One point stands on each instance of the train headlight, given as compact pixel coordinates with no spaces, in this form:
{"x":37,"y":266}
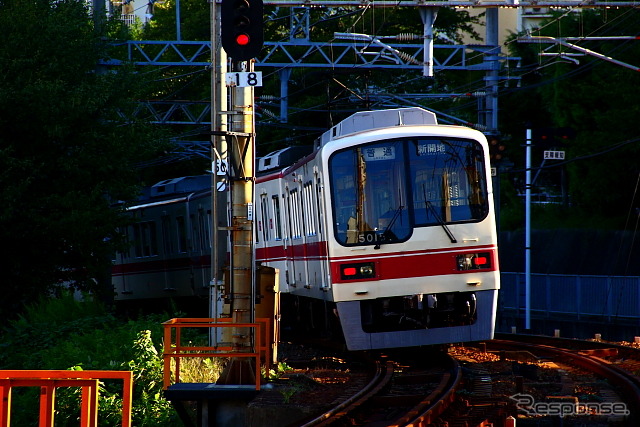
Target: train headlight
{"x":365,"y":270}
{"x":476,"y":261}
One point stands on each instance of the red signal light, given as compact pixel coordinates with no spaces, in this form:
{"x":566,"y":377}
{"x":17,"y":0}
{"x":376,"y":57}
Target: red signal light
{"x":241,"y":30}
{"x":243,"y":39}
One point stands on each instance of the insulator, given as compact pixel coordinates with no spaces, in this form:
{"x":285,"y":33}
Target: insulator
{"x":268,"y":98}
{"x":405,"y":37}
{"x":409,"y":58}
{"x":269,"y":113}
{"x":478,"y":93}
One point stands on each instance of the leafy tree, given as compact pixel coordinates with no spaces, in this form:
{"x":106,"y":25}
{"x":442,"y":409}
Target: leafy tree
{"x":596,"y":98}
{"x":68,"y":150}
{"x":317,"y":98}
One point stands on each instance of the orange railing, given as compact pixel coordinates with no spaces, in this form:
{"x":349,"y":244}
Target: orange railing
{"x":173,"y":348}
{"x":48,"y":381}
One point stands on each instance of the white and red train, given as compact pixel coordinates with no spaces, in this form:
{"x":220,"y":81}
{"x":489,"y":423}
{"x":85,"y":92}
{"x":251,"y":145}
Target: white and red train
{"x":386,"y":229}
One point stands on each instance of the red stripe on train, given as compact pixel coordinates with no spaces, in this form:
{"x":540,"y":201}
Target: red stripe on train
{"x":397,"y":265}
{"x":160,"y":265}
{"x":417,"y":265}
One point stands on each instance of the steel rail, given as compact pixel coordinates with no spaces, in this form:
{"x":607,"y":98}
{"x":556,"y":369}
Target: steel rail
{"x":381,"y":378}
{"x":431,"y":407}
{"x":628,"y":384}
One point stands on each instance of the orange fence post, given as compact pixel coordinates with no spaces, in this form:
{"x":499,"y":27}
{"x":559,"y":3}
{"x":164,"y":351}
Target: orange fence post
{"x":48,"y":381}
{"x":89,"y":405}
{"x":5,"y":403}
{"x":262,"y":345}
{"x":47,"y":404}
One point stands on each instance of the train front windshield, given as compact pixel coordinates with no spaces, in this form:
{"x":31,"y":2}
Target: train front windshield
{"x":382,"y":191}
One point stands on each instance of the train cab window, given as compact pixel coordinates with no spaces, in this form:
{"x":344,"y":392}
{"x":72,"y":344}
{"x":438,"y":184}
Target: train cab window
{"x":447,"y":178}
{"x":277,"y":218}
{"x":378,"y":199}
{"x":370,"y":194}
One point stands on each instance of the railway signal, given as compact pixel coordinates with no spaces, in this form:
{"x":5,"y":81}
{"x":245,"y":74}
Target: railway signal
{"x":241,"y":28}
{"x":496,"y":148}
{"x":550,"y":137}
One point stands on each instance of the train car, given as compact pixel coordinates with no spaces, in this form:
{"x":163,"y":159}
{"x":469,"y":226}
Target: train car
{"x":385,"y":232}
{"x":169,"y":260}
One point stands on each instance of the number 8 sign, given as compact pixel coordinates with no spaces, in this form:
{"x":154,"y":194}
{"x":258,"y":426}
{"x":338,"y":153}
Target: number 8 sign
{"x":244,"y":79}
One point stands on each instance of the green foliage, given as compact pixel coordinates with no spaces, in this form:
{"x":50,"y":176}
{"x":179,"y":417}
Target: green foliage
{"x":69,"y":147}
{"x":596,"y":98}
{"x":281,"y":369}
{"x":40,"y":326}
{"x":317,"y":98}
{"x":68,"y":334}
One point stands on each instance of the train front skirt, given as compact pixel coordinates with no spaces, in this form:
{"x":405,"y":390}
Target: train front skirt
{"x":482,"y":327}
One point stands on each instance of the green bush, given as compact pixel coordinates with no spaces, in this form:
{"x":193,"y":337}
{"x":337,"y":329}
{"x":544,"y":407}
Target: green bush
{"x":68,"y":334}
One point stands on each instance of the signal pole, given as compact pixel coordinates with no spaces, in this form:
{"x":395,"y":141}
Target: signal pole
{"x":242,"y":39}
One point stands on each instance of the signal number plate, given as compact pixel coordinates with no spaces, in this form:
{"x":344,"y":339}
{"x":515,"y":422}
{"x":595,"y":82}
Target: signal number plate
{"x":244,"y":78}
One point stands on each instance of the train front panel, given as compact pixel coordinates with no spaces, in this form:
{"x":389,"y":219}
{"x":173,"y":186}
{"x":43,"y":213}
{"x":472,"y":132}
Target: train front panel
{"x":412,"y":241}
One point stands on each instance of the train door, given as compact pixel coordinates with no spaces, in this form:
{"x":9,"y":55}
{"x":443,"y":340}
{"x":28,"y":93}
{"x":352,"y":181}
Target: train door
{"x":310,"y":253}
{"x":322,"y":238}
{"x":292,"y":236}
{"x":264,"y":224}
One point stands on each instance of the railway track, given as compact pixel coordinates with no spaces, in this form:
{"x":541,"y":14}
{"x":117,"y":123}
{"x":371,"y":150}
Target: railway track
{"x":616,"y":364}
{"x":400,"y":393}
{"x":449,"y":389}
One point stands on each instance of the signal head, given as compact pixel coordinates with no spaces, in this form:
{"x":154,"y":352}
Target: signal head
{"x":242,"y":31}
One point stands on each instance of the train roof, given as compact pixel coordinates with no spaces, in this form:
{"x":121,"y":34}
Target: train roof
{"x":358,"y":122}
{"x":172,"y":190}
{"x":370,"y":120}
{"x":182,"y":185}
{"x":279,"y":159}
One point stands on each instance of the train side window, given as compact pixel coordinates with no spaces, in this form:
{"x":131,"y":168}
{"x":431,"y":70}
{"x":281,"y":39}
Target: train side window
{"x":275,"y":201}
{"x":264,"y":217}
{"x":181,"y":234}
{"x":288,"y":228}
{"x":165,"y":231}
{"x":203,"y":230}
{"x":195,"y":235}
{"x":294,"y":206}
{"x":146,"y":239}
{"x":309,"y":209}
{"x":126,"y":251}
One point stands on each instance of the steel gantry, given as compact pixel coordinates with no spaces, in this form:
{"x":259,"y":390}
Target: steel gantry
{"x":352,"y":51}
{"x":345,"y":51}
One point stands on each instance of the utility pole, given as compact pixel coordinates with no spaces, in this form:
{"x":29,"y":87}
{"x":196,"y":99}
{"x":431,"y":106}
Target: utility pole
{"x":219,"y":169}
{"x":527,"y":242}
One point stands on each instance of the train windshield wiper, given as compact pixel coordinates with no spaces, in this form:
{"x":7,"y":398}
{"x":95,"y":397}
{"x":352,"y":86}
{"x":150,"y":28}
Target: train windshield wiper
{"x":441,"y":221}
{"x":387,"y":231}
